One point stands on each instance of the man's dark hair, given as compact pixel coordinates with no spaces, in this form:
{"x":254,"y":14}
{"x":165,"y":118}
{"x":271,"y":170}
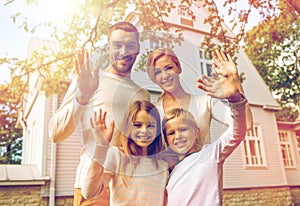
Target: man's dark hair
{"x":125,"y":26}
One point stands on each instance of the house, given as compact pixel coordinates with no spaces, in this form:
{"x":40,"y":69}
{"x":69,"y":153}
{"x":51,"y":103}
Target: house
{"x":263,"y":170}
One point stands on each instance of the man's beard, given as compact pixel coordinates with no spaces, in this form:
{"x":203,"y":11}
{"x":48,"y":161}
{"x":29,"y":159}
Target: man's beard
{"x":117,"y":61}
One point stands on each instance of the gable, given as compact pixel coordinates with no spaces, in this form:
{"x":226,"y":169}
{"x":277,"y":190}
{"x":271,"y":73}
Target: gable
{"x":255,"y":88}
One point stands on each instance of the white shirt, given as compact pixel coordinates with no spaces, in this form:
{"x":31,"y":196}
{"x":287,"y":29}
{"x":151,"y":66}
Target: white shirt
{"x":198,"y":178}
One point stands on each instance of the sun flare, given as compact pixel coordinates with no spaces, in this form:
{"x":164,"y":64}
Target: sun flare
{"x":56,"y":10}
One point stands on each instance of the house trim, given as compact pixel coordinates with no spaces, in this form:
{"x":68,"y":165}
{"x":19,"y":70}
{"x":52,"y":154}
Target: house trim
{"x":24,"y":182}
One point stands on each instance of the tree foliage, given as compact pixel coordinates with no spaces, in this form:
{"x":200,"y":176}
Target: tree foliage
{"x":87,"y":27}
{"x":10,"y":136}
{"x":274,"y":48}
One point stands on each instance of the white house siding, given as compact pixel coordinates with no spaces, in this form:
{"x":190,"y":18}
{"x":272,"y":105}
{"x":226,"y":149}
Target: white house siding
{"x":199,"y":12}
{"x":68,"y":153}
{"x":47,"y":139}
{"x":67,"y":159}
{"x":34,"y":143}
{"x":293,"y":174}
{"x":238,"y":175}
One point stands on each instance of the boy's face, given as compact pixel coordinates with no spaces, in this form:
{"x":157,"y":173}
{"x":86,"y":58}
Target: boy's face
{"x":123,"y":48}
{"x":180,"y":135}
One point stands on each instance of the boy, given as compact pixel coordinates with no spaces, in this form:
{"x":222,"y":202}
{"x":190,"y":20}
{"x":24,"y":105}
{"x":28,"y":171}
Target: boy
{"x":197,"y":179}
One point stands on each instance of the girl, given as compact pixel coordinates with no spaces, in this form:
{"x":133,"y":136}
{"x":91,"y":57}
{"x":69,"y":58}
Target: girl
{"x":163,"y":68}
{"x":136,"y":174}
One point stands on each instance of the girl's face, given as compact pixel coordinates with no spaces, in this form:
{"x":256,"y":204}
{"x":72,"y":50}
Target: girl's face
{"x":181,"y":136}
{"x":144,"y":129}
{"x":166,"y":74}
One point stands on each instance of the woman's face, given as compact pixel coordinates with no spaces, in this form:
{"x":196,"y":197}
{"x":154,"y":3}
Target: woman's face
{"x":166,"y":74}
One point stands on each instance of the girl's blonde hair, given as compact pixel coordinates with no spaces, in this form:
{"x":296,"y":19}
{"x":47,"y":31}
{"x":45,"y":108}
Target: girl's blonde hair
{"x":184,"y":115}
{"x":133,"y":152}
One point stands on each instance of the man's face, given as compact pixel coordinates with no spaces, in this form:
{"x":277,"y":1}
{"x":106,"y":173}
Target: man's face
{"x":123,"y":49}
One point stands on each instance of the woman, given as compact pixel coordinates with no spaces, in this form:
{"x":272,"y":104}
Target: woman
{"x":164,"y":68}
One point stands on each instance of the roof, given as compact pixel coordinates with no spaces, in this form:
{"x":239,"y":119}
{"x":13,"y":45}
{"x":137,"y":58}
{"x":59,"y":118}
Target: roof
{"x":20,"y":175}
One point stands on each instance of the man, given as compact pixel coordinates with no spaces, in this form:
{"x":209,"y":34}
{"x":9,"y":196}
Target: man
{"x":112,"y":91}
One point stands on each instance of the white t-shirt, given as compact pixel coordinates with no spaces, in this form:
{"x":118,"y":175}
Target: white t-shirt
{"x":145,"y":183}
{"x":198,"y":178}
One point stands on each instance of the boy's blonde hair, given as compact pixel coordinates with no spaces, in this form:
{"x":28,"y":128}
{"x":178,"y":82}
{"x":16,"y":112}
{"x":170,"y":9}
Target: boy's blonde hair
{"x":184,"y":115}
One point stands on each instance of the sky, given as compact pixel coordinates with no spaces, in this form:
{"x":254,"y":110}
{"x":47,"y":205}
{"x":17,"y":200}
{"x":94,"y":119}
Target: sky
{"x":14,"y":41}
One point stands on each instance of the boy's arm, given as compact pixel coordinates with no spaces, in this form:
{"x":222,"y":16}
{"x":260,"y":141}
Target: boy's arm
{"x":236,"y":132}
{"x":227,"y":87}
{"x":249,"y":117}
{"x":225,"y":66}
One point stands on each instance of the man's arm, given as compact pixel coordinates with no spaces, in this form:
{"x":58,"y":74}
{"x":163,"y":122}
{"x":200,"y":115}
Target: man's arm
{"x":63,"y":122}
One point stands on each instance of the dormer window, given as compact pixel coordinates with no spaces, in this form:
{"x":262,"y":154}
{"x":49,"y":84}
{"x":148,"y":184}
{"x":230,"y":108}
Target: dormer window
{"x":186,"y":16}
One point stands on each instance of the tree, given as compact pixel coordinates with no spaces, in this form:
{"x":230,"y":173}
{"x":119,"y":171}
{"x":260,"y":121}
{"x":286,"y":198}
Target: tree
{"x":274,"y":48}
{"x":10,"y":136}
{"x":88,"y":24}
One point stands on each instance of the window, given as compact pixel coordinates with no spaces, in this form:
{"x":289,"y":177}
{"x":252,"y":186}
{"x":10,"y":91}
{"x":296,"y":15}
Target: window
{"x":205,"y":63}
{"x":186,"y":16}
{"x":160,"y":41}
{"x":286,"y":151}
{"x":187,"y":22}
{"x":254,"y":154}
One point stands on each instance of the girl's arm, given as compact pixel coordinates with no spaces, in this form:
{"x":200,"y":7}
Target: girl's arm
{"x":93,"y":182}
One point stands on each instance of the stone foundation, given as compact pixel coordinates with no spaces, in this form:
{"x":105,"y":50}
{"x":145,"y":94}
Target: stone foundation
{"x":28,"y":196}
{"x":274,"y":196}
